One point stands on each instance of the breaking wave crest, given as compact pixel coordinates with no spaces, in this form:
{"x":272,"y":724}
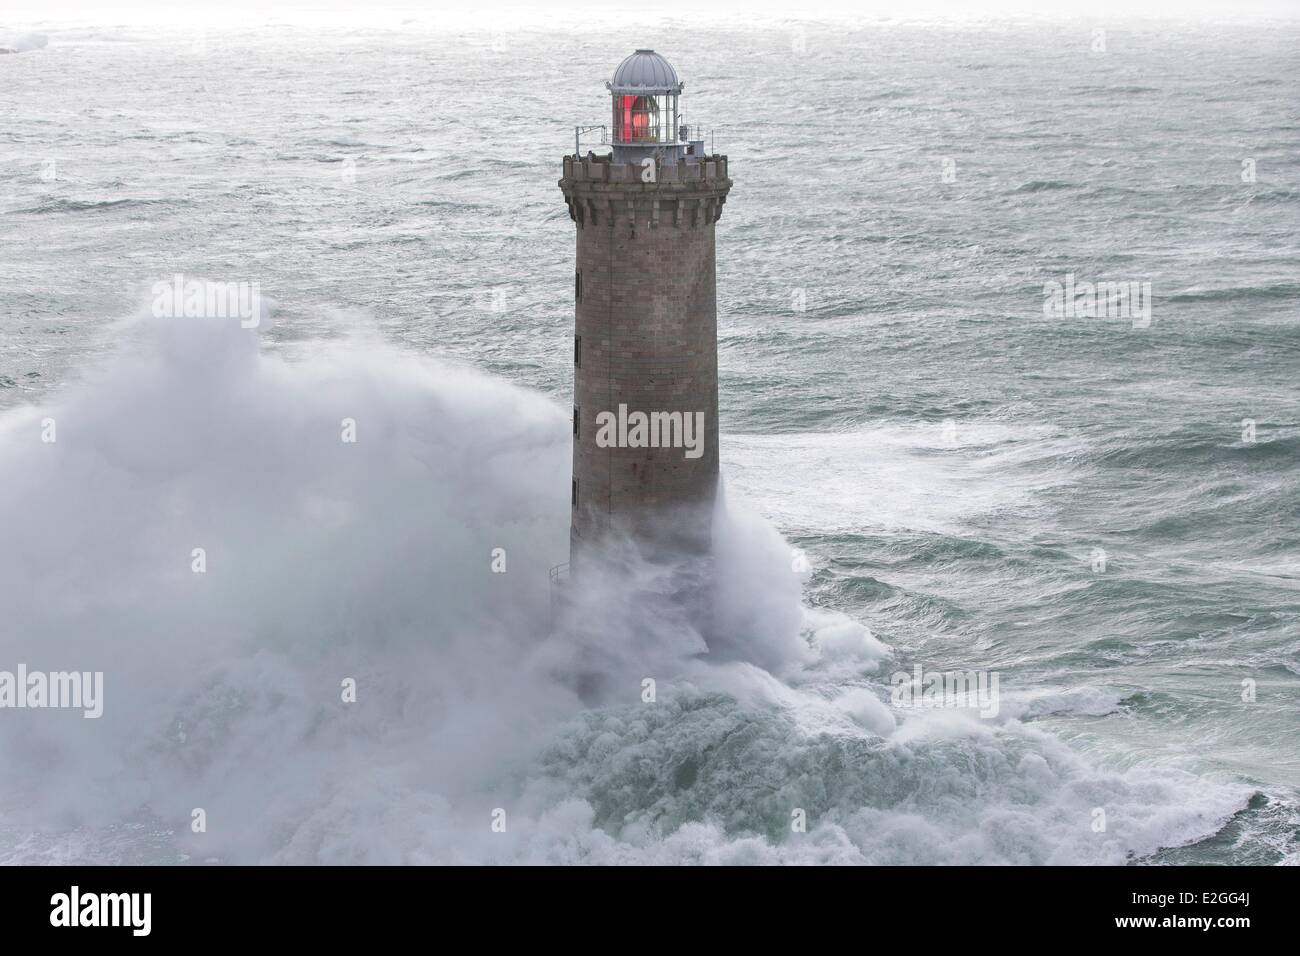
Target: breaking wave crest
{"x":327,"y":560}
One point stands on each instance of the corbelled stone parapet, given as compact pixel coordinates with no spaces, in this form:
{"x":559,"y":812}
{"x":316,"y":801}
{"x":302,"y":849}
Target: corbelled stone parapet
{"x":603,"y":169}
{"x":601,"y":192}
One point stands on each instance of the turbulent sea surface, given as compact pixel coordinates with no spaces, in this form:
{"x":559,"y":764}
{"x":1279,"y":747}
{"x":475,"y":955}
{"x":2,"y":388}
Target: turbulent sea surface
{"x":950,"y":459}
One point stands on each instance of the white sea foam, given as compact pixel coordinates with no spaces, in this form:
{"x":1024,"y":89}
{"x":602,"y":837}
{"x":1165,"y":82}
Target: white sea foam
{"x":934,"y":477}
{"x":371,"y":560}
{"x":25,"y":43}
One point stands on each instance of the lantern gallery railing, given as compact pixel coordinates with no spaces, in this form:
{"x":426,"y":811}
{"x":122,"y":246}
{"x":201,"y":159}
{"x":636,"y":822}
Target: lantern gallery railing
{"x":581,"y":131}
{"x":685,"y":134}
{"x":697,"y":134}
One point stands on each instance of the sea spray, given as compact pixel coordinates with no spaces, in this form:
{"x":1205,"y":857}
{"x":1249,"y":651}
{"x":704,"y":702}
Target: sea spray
{"x":323,"y":561}
{"x":347,"y":680}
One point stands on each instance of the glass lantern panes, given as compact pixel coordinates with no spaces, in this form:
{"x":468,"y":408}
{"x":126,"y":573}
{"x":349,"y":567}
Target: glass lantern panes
{"x":645,"y":119}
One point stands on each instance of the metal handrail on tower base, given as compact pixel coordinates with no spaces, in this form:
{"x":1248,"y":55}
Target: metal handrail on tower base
{"x":560,"y":575}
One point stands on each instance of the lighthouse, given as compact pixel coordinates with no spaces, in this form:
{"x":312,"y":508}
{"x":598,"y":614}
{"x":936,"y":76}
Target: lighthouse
{"x":645,"y":346}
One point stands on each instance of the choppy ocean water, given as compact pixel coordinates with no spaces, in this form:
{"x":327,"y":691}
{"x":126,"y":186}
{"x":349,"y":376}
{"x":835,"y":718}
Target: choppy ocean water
{"x":951,"y":461}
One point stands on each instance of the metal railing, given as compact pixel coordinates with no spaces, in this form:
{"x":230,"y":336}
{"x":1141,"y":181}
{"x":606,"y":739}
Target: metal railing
{"x":559,"y":578}
{"x":685,"y":134}
{"x":581,"y":131}
{"x":692,"y":134}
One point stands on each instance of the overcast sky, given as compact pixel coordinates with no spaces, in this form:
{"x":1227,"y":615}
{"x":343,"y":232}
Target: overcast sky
{"x":501,"y":15}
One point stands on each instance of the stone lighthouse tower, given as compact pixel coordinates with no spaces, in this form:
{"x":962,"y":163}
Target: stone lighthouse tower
{"x":645,"y":350}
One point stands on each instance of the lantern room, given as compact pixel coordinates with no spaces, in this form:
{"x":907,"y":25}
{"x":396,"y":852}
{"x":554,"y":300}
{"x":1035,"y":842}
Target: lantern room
{"x":646,"y":102}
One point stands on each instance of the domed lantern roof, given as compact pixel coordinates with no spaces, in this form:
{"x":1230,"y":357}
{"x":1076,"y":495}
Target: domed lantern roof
{"x":645,"y":95}
{"x":645,"y":72}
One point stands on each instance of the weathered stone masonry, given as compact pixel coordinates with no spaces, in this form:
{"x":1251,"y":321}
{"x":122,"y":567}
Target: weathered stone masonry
{"x":646,"y":337}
